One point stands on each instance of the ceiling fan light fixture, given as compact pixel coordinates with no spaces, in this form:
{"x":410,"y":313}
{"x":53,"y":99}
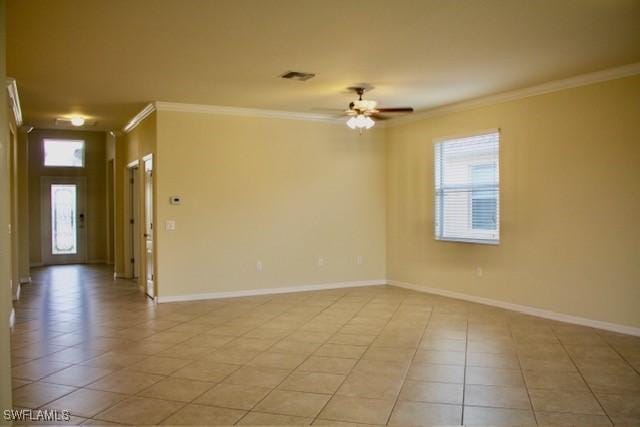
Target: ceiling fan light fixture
{"x":360,"y":122}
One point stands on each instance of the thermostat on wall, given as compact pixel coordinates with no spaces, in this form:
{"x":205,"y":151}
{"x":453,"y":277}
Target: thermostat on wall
{"x":175,"y":200}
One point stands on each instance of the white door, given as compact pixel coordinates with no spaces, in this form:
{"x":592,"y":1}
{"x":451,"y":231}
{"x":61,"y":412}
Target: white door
{"x":63,"y":222}
{"x":148,"y":228}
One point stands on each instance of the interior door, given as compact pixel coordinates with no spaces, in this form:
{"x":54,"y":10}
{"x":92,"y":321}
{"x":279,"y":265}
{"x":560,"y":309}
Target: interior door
{"x":63,"y":220}
{"x":148,"y":221}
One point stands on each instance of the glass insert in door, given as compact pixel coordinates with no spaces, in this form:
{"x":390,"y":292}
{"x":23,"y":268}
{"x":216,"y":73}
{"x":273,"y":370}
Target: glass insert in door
{"x":64,"y":233}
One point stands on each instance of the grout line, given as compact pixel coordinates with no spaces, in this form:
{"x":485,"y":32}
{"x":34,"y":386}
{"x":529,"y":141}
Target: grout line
{"x":582,"y":376}
{"x":464,"y":377}
{"x":524,"y":381}
{"x":413,"y":356}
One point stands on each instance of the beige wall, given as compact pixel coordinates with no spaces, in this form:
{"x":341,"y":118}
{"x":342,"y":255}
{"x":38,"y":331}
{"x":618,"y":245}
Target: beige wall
{"x":94,"y":171}
{"x":284,"y":192}
{"x":570,"y":204}
{"x":5,"y":254}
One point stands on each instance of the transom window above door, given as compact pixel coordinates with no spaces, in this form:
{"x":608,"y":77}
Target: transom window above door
{"x":64,"y":153}
{"x":467,"y":192}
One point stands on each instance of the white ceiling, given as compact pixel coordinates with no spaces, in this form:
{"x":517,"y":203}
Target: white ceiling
{"x":107,"y":59}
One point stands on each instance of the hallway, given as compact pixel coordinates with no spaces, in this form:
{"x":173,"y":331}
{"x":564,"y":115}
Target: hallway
{"x":373,"y":355}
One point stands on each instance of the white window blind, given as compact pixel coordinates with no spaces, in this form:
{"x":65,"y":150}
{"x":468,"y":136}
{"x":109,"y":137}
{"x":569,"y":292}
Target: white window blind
{"x":467,"y":192}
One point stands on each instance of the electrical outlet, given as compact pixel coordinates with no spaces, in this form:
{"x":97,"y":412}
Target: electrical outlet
{"x":170,"y":225}
{"x":259,"y":266}
{"x":479,"y":271}
{"x":359,"y":259}
{"x":320,"y":262}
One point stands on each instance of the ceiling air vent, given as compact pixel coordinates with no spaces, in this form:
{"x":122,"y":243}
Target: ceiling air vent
{"x":297,"y":75}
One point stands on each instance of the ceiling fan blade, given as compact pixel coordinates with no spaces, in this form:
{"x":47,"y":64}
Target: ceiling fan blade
{"x":378,"y":116}
{"x":396,"y":110}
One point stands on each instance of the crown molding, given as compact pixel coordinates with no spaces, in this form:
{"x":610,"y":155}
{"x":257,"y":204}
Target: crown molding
{"x":138,"y":118}
{"x":244,"y":112}
{"x":549,"y":87}
{"x":14,"y":100}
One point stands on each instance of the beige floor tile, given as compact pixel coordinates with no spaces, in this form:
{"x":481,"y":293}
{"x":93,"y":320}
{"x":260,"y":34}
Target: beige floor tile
{"x":323,"y":422}
{"x":15,"y":383}
{"x":490,"y":360}
{"x":621,"y":404}
{"x":312,"y":382}
{"x":37,"y":394}
{"x":378,"y":386}
{"x":437,"y":373}
{"x":127,"y":382}
{"x":440,"y":357}
{"x":160,"y":365}
{"x":576,"y":402}
{"x":233,"y":396}
{"x":397,"y":369}
{"x":262,"y":419}
{"x":493,"y":376}
{"x":417,"y":391}
{"x":389,"y":354}
{"x":605,"y":382}
{"x":548,"y":365}
{"x":357,"y":410}
{"x":231,"y":356}
{"x":204,"y":415}
{"x":420,"y":413}
{"x":140,"y":411}
{"x":35,"y":370}
{"x":430,"y":343}
{"x":261,"y":377}
{"x":85,"y":402}
{"x":331,"y":365}
{"x":497,"y":396}
{"x":114,"y":360}
{"x":277,"y":360}
{"x":566,"y":419}
{"x":352,"y":339}
{"x":555,"y":380}
{"x":251,"y":344}
{"x":341,"y":350}
{"x":77,"y":375}
{"x":294,"y":403}
{"x":479,"y":416}
{"x":295,"y":347}
{"x":178,"y":389}
{"x":205,"y":371}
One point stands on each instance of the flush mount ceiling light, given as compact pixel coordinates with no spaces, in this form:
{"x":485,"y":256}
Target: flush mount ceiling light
{"x":77,"y":121}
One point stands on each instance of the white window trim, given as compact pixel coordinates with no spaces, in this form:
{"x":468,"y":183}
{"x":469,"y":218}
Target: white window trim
{"x":491,"y":242}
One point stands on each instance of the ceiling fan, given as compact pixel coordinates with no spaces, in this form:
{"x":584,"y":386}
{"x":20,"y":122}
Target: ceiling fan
{"x":362,"y":112}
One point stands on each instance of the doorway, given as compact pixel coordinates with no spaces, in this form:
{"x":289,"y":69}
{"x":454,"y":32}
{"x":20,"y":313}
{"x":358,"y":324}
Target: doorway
{"x":148,"y":221}
{"x":63,"y":221}
{"x":132,"y":240}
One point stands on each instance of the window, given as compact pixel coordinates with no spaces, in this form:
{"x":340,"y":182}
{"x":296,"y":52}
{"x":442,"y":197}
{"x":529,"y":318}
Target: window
{"x":64,"y":152}
{"x":467,"y":194}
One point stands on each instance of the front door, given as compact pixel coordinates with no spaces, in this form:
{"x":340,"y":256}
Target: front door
{"x":63,"y":220}
{"x":148,"y":221}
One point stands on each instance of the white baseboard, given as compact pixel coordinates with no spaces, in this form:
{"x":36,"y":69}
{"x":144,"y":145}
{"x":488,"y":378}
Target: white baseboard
{"x":533,"y":311}
{"x":12,"y":318}
{"x":269,"y":291}
{"x":25,"y":279}
{"x":16,"y":297}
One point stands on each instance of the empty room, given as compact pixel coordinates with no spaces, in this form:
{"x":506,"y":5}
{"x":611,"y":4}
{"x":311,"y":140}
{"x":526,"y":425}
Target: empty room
{"x":279,"y":212}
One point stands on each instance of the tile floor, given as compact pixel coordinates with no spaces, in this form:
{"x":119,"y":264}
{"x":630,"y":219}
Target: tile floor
{"x":373,"y":355}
